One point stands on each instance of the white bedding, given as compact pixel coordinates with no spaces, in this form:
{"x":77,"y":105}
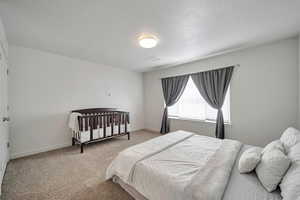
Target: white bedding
{"x":124,"y":164}
{"x":240,"y":186}
{"x":165,"y":167}
{"x":174,"y":167}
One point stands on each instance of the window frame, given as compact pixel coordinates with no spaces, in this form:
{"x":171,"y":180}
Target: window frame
{"x":173,"y":117}
{"x":194,"y":119}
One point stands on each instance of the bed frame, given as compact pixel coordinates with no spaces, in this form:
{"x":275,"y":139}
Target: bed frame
{"x":106,"y":122}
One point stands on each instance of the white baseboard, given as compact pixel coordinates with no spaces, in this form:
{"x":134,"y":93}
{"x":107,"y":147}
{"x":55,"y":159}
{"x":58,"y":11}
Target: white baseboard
{"x":150,"y":130}
{"x":44,"y":149}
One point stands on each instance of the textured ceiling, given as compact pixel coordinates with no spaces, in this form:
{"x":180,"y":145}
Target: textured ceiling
{"x":106,"y":31}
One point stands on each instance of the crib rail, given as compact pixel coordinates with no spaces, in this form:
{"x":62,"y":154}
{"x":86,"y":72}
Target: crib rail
{"x":103,"y":120}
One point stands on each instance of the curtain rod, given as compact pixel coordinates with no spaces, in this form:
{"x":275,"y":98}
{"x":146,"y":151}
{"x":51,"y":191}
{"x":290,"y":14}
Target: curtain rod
{"x":237,"y":65}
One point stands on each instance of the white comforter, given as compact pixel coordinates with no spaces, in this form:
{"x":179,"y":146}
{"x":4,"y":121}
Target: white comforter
{"x":123,"y":165}
{"x":176,"y":165}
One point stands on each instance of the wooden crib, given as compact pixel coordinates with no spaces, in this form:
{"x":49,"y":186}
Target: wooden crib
{"x":97,"y":124}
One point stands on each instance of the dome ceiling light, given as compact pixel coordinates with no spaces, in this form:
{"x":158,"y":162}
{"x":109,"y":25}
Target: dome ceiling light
{"x":148,"y":41}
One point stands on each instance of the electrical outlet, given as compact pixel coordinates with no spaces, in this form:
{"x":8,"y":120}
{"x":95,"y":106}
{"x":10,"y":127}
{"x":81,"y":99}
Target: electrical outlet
{"x":108,"y":93}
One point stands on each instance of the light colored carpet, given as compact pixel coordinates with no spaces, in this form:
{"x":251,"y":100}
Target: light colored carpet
{"x":65,"y":174}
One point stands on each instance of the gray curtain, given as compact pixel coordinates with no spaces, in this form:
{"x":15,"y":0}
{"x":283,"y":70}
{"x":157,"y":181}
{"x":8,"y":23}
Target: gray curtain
{"x":172,"y":90}
{"x":213,"y":86}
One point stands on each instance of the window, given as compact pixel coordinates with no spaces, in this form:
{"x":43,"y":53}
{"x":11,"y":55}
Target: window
{"x":191,"y":105}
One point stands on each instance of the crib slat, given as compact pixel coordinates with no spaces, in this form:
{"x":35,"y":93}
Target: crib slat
{"x":119,"y":122}
{"x":125,"y":122}
{"x":101,"y":121}
{"x":100,"y":125}
{"x":80,"y":123}
{"x":128,"y":118}
{"x":90,"y":124}
{"x":104,"y":127}
{"x":98,"y":121}
{"x":112,"y":123}
{"x":86,"y":124}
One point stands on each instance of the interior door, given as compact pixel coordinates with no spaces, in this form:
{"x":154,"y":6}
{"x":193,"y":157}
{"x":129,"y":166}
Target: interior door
{"x":4,"y":154}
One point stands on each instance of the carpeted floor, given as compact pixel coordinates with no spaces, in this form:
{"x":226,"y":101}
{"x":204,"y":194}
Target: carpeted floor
{"x":65,"y":174}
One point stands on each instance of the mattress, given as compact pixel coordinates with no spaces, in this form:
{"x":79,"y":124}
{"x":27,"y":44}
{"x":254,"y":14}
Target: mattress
{"x":240,"y":186}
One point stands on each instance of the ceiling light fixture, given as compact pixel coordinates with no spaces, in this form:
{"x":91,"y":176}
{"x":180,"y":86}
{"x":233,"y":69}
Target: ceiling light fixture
{"x":148,"y":41}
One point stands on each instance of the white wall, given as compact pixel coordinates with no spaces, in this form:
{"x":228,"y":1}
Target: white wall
{"x":299,"y":79}
{"x":4,"y":134}
{"x":44,"y":88}
{"x":264,"y":92}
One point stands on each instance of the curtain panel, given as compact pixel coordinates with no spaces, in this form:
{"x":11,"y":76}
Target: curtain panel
{"x":213,"y":86}
{"x":173,"y":88}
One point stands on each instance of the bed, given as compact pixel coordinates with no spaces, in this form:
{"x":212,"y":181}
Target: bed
{"x":97,"y":124}
{"x":184,"y":165}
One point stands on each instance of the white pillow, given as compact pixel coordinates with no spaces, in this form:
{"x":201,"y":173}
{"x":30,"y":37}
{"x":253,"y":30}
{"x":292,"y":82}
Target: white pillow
{"x":290,"y":184}
{"x":271,"y":169}
{"x":249,"y":159}
{"x":294,"y":153}
{"x":274,"y":145}
{"x":289,"y":138}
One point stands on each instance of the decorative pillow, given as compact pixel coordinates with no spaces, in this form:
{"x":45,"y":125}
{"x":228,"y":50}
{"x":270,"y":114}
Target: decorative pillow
{"x":274,"y":145}
{"x":249,"y":159}
{"x":271,"y":169}
{"x":290,"y":184}
{"x":289,"y":138}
